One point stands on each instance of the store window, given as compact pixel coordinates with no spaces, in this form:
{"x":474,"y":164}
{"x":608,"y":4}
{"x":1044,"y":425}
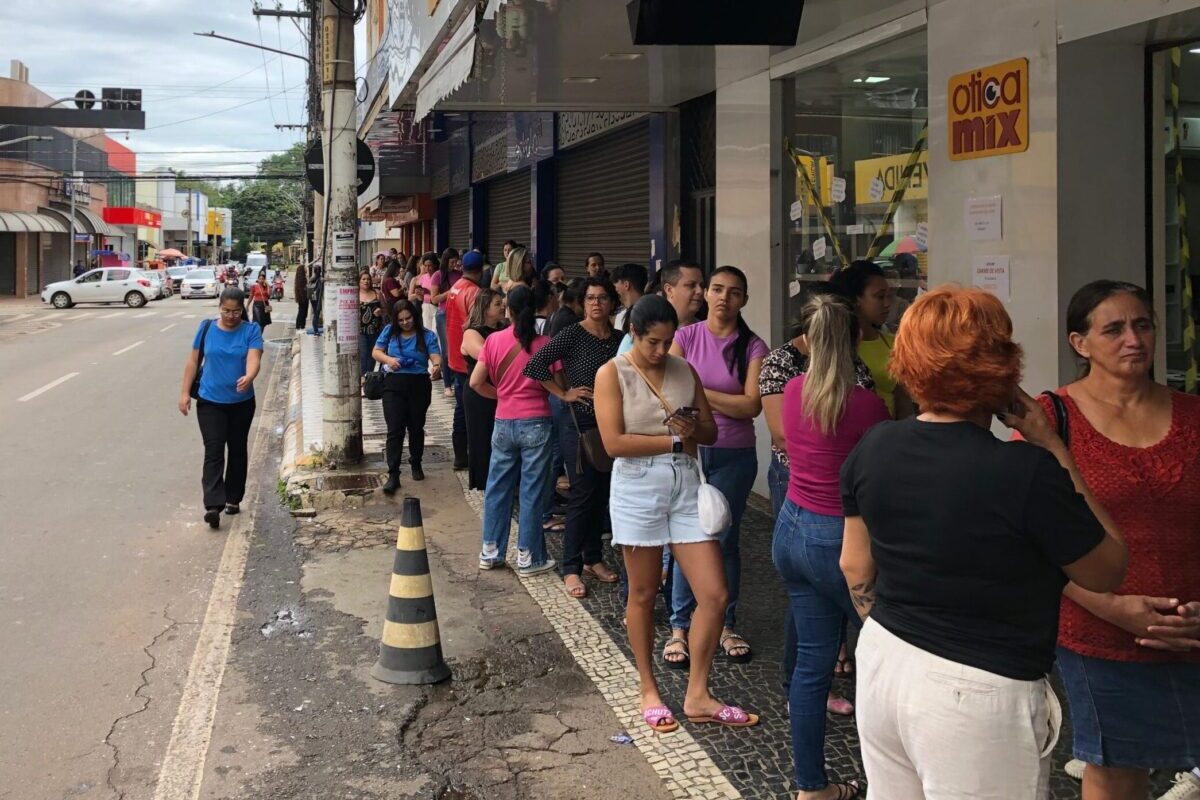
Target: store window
{"x":856,"y":137}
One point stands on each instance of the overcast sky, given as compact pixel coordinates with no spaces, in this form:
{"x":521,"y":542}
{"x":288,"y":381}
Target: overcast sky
{"x":75,"y":44}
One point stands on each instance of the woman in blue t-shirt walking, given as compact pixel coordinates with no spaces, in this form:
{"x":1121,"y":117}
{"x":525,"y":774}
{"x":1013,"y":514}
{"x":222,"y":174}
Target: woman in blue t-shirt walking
{"x":411,"y":361}
{"x":230,"y":352}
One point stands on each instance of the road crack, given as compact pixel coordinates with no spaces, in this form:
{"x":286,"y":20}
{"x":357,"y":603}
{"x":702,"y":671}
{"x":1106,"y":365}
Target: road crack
{"x":172,"y":624}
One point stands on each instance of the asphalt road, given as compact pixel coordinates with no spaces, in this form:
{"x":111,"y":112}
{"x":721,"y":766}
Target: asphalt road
{"x":105,"y":566}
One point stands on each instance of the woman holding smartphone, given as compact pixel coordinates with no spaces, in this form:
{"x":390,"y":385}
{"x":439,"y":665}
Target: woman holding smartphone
{"x":653,"y":415}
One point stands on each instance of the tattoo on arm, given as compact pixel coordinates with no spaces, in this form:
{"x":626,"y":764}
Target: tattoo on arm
{"x":863,"y":597}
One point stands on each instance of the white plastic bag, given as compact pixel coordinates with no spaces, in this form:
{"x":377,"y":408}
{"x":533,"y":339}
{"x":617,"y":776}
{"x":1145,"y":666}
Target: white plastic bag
{"x":715,"y":515}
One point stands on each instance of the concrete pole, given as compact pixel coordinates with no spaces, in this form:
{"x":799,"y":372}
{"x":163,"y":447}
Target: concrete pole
{"x":74,"y":188}
{"x":342,"y":403}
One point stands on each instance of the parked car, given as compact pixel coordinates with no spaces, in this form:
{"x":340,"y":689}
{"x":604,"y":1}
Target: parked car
{"x":176,"y":275}
{"x":200,"y":283}
{"x":159,"y":282}
{"x":106,"y":285}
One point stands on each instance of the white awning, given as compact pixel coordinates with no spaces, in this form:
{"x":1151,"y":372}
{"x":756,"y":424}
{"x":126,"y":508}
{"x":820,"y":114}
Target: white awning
{"x":86,"y":221}
{"x":24,"y":222}
{"x":449,"y":70}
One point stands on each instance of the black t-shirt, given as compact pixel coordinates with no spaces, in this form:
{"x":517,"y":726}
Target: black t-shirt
{"x":969,"y":536}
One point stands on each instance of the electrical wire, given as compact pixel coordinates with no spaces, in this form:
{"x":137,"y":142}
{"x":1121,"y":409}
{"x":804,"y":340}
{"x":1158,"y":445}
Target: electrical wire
{"x":266,"y":73}
{"x":220,"y":111}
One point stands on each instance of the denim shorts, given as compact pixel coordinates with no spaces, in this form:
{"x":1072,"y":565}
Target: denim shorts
{"x":1133,"y":714}
{"x":653,"y":501}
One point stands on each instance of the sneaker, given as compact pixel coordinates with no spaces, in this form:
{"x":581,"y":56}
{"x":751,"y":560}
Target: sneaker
{"x":232,"y":508}
{"x":545,"y":566}
{"x":490,"y":563}
{"x":1187,"y":787}
{"x":836,"y":704}
{"x":213,"y":517}
{"x":1074,"y":768}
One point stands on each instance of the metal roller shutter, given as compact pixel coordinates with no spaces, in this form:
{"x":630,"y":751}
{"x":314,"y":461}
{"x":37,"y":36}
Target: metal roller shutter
{"x":460,"y":221}
{"x":508,"y":200}
{"x":603,"y":196}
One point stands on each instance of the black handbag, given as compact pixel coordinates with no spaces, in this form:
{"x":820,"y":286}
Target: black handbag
{"x":373,"y":384}
{"x":194,"y":389}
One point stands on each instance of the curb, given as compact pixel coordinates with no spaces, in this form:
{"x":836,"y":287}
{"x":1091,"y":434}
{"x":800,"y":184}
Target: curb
{"x":294,"y":457}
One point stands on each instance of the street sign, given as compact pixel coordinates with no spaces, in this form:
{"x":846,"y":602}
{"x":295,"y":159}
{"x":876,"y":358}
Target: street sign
{"x":314,"y":166}
{"x":121,"y":99}
{"x":85,"y":99}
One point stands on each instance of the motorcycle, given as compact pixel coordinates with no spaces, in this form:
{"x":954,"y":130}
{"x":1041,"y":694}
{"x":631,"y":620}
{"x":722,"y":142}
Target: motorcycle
{"x":277,"y":288}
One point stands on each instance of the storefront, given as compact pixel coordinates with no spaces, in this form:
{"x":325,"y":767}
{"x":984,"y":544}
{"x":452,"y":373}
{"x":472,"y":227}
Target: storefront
{"x":508,"y":212}
{"x":859,"y":169}
{"x":602,"y":197}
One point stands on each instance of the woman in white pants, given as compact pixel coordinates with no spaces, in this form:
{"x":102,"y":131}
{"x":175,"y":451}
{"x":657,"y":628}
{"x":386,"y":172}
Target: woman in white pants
{"x":958,"y":546}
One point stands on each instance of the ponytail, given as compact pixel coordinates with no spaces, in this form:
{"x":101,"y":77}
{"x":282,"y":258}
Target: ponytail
{"x":737,"y":357}
{"x":830,"y":327}
{"x":524,"y":315}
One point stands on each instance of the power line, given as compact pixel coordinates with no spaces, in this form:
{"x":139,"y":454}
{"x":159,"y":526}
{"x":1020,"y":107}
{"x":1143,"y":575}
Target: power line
{"x":219,"y":111}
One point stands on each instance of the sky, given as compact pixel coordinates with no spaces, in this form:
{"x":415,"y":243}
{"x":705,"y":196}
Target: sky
{"x":211,"y":106}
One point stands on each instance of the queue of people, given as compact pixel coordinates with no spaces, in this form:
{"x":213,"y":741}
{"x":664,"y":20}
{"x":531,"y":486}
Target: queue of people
{"x":969,"y":574}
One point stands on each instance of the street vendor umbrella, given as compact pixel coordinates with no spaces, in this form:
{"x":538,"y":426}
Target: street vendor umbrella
{"x":170,"y":252}
{"x":906,"y":244}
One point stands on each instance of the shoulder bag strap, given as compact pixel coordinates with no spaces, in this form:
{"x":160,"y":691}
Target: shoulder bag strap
{"x":203,"y":336}
{"x":1061,"y":420}
{"x":506,"y":363}
{"x":666,"y":406}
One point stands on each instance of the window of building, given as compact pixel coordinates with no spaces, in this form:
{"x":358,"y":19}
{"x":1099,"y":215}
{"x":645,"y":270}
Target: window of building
{"x":858,"y":158}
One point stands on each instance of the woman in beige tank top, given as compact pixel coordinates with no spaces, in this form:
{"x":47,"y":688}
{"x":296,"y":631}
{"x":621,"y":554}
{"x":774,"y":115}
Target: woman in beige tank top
{"x":652,"y":413}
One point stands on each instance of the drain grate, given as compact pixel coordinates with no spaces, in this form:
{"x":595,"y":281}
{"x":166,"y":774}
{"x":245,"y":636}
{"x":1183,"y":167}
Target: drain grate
{"x":356,"y":482}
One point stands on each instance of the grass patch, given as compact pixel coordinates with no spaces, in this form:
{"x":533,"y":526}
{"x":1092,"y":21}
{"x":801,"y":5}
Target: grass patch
{"x":289,"y":500}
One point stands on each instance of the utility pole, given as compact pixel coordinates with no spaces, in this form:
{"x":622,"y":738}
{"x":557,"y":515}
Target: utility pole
{"x":74,"y":188}
{"x":189,"y":230}
{"x":342,"y":402}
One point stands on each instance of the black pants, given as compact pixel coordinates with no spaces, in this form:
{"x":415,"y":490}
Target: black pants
{"x":405,"y":403}
{"x":586,"y":507}
{"x":224,"y":426}
{"x":302,"y":313}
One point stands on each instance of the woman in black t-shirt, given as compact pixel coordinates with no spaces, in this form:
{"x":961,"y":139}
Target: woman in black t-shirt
{"x":960,"y":559}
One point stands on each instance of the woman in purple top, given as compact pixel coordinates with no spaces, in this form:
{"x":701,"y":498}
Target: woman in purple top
{"x":825,"y":413}
{"x":727,"y":356}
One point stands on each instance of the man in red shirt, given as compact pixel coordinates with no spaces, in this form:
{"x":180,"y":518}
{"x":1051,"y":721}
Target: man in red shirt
{"x":458,"y":309}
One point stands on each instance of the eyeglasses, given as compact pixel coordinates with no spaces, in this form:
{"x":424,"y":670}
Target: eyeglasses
{"x":597,"y":298}
{"x":231,"y":312}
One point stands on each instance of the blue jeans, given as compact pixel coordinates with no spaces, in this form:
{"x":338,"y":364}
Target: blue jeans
{"x":520,"y":451}
{"x":442,"y":347}
{"x":806,"y":550}
{"x":732,"y":470}
{"x":366,"y":343}
{"x":778,"y":475}
{"x":556,"y":466}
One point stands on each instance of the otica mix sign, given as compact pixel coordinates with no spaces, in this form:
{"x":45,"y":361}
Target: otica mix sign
{"x":988,"y":110}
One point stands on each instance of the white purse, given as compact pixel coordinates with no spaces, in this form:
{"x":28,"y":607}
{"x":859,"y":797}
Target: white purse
{"x":715,"y":515}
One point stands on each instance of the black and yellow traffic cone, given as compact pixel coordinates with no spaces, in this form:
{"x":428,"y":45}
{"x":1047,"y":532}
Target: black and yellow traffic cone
{"x":411,"y":649}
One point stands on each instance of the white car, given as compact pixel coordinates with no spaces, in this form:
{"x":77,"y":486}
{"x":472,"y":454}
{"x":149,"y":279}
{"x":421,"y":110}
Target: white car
{"x":200,"y":283}
{"x":107,"y":285}
{"x":160,"y":283}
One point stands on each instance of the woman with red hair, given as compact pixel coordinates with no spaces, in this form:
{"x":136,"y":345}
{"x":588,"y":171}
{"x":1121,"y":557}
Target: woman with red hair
{"x":962,"y":586}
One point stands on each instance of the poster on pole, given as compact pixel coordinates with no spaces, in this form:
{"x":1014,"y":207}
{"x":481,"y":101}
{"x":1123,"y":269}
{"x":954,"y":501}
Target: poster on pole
{"x":343,"y":249}
{"x":347,"y":315}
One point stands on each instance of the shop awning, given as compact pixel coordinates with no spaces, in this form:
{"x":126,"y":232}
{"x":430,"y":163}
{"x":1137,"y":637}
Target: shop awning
{"x":86,"y":221}
{"x":24,"y":222}
{"x":449,"y":70}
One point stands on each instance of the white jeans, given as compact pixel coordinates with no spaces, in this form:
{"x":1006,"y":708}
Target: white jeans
{"x":934,"y":729}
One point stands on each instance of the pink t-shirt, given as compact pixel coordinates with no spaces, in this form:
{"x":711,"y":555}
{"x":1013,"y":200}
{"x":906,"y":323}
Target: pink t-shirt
{"x":518,"y":396}
{"x":816,"y":459}
{"x":430,"y":284}
{"x":706,"y":353}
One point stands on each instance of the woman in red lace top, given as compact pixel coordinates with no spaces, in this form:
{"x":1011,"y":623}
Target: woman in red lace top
{"x":1130,"y":660}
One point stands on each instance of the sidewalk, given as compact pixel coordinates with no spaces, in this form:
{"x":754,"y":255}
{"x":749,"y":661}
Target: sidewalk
{"x":699,"y":761}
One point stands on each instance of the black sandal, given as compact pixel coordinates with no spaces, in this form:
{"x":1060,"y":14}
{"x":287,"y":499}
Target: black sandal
{"x":744,"y":657}
{"x":683,"y":663}
{"x":850,"y":790}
